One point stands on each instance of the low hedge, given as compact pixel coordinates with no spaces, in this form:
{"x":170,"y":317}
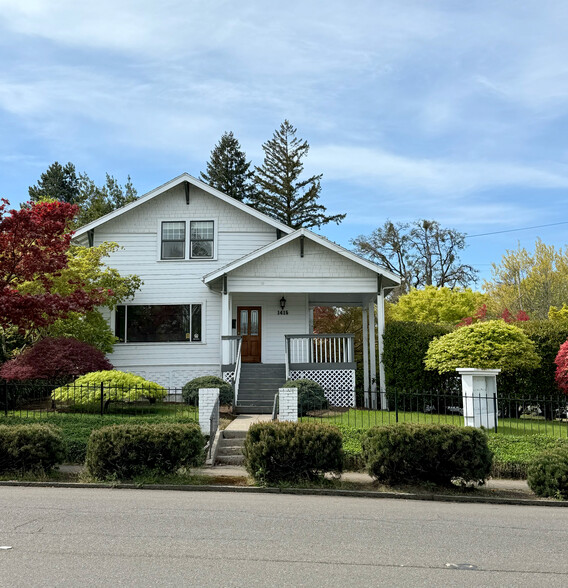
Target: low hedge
{"x":548,"y":474}
{"x":34,"y":447}
{"x":190,"y":392}
{"x":124,"y":451}
{"x":289,"y":452}
{"x":413,"y":453}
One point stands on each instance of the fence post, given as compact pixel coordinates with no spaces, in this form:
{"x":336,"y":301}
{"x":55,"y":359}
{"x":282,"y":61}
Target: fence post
{"x":102,"y":398}
{"x":495,"y":409}
{"x":5,"y":398}
{"x":396,"y":404}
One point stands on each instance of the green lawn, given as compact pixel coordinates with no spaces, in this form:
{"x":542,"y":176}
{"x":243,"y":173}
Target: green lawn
{"x":364,"y":419}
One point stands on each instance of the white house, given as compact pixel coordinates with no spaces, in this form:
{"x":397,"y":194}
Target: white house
{"x":230,"y":291}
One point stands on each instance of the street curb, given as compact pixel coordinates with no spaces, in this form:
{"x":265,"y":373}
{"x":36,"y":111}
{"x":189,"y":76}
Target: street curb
{"x":298,"y":491}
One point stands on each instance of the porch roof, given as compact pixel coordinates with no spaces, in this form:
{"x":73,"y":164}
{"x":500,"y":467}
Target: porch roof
{"x":387,"y":278}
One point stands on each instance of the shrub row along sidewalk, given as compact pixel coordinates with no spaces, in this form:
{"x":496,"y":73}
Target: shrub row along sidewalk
{"x":289,"y":453}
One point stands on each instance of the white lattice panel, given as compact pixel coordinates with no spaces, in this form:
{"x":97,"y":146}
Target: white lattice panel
{"x":339,"y":385}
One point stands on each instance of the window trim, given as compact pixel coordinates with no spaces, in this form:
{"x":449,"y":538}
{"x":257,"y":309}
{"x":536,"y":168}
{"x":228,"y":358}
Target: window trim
{"x":201,"y":303}
{"x":187,"y":246}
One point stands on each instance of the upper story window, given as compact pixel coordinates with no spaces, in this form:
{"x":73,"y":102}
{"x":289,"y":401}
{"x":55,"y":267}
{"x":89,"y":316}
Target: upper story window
{"x":202,"y":236}
{"x":173,"y":240}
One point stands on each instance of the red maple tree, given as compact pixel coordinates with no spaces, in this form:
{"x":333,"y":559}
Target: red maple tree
{"x":33,"y":248}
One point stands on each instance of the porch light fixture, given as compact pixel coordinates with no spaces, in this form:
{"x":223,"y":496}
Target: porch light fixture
{"x":282,"y":303}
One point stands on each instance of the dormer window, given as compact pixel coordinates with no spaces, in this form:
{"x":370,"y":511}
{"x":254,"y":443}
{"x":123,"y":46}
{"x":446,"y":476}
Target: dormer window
{"x":173,"y":240}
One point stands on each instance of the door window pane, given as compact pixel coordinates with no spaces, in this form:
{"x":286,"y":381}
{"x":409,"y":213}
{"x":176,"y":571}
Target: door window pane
{"x":244,"y":323}
{"x":254,"y":322}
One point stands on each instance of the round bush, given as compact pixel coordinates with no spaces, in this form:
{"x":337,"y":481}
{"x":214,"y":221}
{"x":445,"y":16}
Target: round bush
{"x":287,"y":452}
{"x":190,"y":392}
{"x":33,"y":447}
{"x":407,"y":452}
{"x":311,"y":395}
{"x":117,"y":387}
{"x":548,"y":474}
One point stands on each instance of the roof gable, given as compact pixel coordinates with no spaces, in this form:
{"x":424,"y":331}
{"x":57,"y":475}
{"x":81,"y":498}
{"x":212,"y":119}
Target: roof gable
{"x":390,"y":278}
{"x":185,"y":177}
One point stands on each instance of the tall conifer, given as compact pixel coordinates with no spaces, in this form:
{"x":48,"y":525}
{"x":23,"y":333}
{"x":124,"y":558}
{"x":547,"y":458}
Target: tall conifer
{"x":228,"y":169}
{"x":280,"y":192}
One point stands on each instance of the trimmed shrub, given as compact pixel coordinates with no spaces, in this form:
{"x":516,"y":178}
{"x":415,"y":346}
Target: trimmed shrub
{"x":410,"y":453}
{"x":311,"y":395}
{"x":61,"y":358}
{"x":30,"y":447}
{"x":117,"y":387}
{"x":124,"y":451}
{"x":288,"y":452}
{"x":190,"y":392}
{"x":494,"y":344}
{"x":548,"y":474}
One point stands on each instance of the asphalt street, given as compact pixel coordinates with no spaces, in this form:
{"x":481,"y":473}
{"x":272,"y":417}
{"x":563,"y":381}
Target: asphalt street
{"x":112,"y":537}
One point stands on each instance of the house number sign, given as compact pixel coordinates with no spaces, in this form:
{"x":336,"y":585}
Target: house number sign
{"x":282,"y":312}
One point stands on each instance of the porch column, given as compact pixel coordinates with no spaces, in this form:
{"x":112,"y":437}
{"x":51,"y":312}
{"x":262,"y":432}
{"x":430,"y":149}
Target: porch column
{"x":226,"y":327}
{"x":381,"y":332}
{"x":373,"y":352}
{"x":365,"y":355}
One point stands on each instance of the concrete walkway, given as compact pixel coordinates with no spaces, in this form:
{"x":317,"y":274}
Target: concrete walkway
{"x":244,"y":421}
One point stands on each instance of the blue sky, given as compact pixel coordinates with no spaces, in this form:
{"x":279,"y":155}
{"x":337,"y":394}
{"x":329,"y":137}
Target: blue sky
{"x":442,"y":110}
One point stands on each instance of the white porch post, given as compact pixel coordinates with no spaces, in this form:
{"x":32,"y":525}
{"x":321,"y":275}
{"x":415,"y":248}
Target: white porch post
{"x":373,"y":353}
{"x":381,"y":332}
{"x":225,"y":327}
{"x":365,"y":356}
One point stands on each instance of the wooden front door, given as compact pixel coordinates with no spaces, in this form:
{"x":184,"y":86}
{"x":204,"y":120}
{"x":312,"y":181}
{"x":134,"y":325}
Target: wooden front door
{"x":248,"y":327}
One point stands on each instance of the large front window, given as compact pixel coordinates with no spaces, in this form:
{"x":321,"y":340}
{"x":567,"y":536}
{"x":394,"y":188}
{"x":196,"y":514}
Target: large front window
{"x":158,"y":323}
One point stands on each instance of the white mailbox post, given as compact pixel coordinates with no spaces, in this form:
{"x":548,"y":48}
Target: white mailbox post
{"x":479,"y":391}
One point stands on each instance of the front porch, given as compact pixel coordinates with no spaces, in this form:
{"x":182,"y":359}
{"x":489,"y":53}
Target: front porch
{"x":267,"y":303}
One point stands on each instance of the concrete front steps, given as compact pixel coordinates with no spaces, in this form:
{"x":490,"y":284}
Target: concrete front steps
{"x":230,"y":448}
{"x":258,"y":385}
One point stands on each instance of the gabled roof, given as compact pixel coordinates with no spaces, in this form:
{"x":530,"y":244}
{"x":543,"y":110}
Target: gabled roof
{"x":390,"y":277}
{"x":185,"y":177}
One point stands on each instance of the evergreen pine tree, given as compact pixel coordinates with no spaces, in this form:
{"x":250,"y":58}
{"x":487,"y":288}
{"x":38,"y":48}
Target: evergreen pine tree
{"x":228,"y":169}
{"x":280,"y":192}
{"x":57,"y":182}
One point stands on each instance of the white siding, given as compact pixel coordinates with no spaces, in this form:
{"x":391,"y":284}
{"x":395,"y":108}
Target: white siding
{"x":273,"y":325}
{"x":179,"y":281}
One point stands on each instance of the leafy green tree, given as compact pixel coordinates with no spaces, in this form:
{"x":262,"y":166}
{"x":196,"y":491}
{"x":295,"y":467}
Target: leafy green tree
{"x":280,"y":193}
{"x":97,"y":201}
{"x":58,"y":182}
{"x":488,"y":345}
{"x":86,"y":265}
{"x":529,"y":281}
{"x":228,"y":169}
{"x":423,"y":253}
{"x":436,"y":305}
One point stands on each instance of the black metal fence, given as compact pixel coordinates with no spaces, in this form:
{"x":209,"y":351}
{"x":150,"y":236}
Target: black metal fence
{"x":37,"y":400}
{"x":504,"y":414}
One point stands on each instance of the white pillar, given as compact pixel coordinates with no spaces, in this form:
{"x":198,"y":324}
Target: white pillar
{"x":288,"y":404}
{"x":365,"y":351}
{"x":207,"y":399}
{"x":381,"y":332}
{"x":226,"y":329}
{"x":479,"y":391}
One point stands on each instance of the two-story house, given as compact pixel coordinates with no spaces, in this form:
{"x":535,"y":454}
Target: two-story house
{"x":230,"y":291}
